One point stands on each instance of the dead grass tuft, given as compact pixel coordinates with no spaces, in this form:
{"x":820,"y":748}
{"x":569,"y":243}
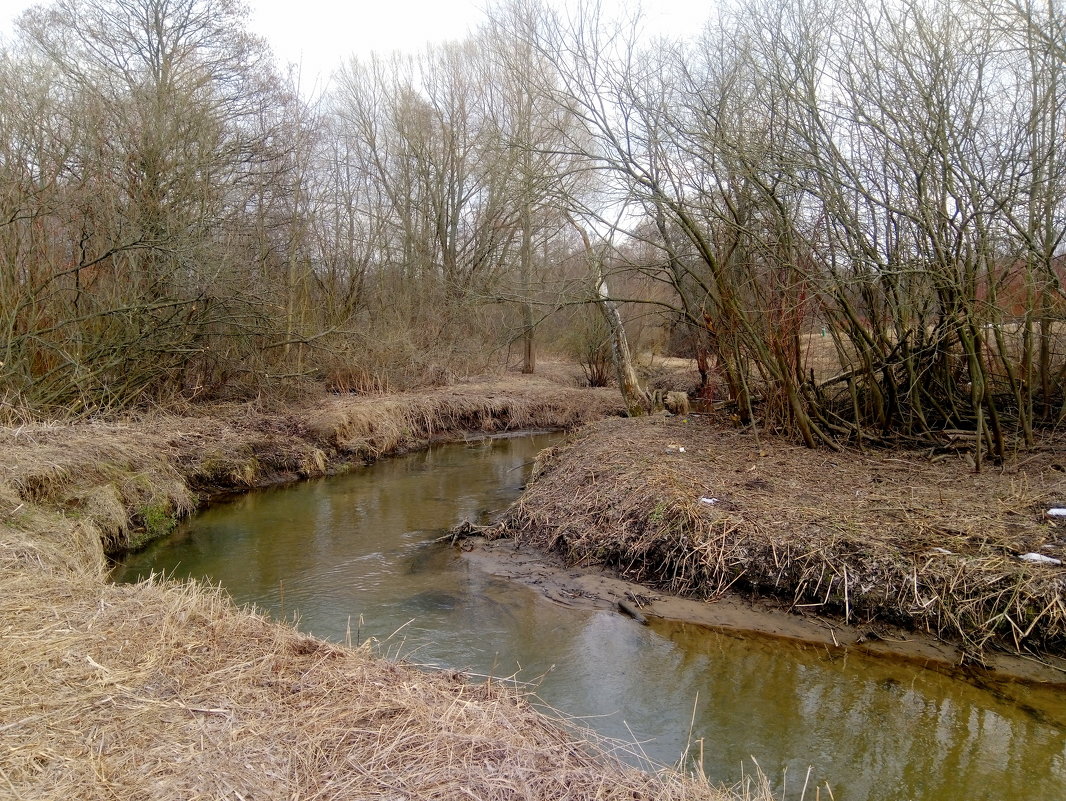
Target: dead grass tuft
{"x":106,"y":478}
{"x":886,"y":536}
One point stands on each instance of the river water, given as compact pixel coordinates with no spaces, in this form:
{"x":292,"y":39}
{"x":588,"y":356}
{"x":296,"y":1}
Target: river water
{"x":352,"y":557}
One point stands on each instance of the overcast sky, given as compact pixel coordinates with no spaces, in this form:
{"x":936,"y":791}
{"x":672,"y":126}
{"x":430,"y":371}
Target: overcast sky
{"x":327,"y":31}
{"x":319,"y":34}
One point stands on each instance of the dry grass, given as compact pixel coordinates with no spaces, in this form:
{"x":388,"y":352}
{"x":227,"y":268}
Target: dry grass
{"x":163,"y":691}
{"x":885,"y":536}
{"x":377,"y":426}
{"x":167,"y":692}
{"x":124,"y":479}
{"x":109,"y":477}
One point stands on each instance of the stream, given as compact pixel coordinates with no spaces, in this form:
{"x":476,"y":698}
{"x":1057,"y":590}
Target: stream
{"x":353,"y":557}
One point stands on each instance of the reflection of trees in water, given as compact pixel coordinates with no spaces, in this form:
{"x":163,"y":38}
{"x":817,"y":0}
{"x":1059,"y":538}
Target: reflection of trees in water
{"x":865,"y":724}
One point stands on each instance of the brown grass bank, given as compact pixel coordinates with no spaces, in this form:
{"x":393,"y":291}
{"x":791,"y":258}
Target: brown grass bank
{"x":698,"y":508}
{"x":165,"y":691}
{"x":127,"y":480}
{"x":168,"y":692}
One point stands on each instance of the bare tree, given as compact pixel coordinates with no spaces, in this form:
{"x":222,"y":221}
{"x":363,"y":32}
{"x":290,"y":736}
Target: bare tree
{"x":159,"y":149}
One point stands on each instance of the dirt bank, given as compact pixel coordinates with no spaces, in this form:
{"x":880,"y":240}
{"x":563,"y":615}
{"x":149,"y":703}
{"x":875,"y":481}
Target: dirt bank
{"x":590,"y":587}
{"x":168,"y":691}
{"x":701,"y":509}
{"x":124,"y":481}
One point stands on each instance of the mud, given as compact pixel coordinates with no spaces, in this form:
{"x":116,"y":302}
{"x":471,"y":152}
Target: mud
{"x":597,"y":588}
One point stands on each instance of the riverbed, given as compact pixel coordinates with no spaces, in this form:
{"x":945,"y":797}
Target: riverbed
{"x":354,"y":557}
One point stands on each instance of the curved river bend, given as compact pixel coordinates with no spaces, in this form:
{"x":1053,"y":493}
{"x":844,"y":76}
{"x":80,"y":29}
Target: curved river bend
{"x":353,"y":556}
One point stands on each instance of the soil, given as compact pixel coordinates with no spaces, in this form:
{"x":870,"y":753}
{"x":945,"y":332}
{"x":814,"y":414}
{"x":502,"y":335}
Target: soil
{"x":601,"y":588}
{"x":915,"y":554}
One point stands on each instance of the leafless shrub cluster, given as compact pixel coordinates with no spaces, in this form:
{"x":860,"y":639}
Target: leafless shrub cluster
{"x":176,"y":221}
{"x":888,"y":176}
{"x":851,"y":214}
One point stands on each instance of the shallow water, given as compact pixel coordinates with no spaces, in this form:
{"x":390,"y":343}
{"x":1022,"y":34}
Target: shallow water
{"x":353,"y":557}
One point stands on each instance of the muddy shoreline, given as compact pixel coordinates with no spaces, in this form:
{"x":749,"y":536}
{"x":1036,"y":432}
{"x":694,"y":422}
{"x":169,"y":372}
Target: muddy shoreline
{"x":589,"y":584}
{"x":888,"y":551}
{"x":600,"y":588}
{"x":604,"y":587}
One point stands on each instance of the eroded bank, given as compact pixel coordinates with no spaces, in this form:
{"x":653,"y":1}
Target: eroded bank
{"x":701,"y":510}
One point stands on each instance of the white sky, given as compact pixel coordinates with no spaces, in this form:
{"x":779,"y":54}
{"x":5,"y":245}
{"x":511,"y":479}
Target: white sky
{"x":325,"y":32}
{"x":318,"y":35}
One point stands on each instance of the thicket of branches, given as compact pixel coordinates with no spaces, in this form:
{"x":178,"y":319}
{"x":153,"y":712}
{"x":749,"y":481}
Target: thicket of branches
{"x":852,"y":211}
{"x":175,"y":220}
{"x":889,"y":177}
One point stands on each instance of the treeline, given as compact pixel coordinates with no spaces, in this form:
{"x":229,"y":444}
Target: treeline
{"x":175,"y":220}
{"x":857,"y":208}
{"x":851,"y":213}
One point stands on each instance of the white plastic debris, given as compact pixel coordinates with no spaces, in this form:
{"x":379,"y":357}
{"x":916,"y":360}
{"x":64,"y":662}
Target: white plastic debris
{"x":1040,"y":559}
{"x":943,"y":551}
{"x":1056,"y":512}
{"x":709,"y":501}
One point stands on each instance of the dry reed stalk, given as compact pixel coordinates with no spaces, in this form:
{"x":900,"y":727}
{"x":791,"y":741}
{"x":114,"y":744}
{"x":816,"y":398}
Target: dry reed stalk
{"x":882,"y":536}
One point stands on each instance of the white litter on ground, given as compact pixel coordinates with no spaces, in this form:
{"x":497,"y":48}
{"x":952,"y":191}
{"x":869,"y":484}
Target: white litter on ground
{"x":1040,"y":559}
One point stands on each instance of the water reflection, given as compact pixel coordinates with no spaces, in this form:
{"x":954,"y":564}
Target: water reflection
{"x":872,"y":728}
{"x":353,"y":556}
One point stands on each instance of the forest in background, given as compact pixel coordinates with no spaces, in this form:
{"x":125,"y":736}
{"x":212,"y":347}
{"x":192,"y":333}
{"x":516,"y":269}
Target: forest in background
{"x":851,"y":214}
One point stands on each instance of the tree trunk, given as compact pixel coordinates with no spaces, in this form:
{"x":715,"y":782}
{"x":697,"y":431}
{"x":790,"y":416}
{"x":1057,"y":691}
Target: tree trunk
{"x":529,"y":354}
{"x":636,"y":399}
